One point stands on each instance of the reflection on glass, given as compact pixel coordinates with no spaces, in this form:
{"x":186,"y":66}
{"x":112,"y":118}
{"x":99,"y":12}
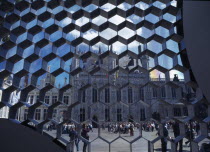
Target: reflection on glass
{"x":165,"y":61}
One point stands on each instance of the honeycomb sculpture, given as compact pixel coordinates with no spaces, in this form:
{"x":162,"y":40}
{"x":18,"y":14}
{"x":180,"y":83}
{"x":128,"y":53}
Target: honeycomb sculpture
{"x":47,"y":37}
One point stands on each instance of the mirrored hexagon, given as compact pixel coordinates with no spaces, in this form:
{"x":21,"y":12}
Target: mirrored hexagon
{"x":12,"y":21}
{"x":108,"y":34}
{"x":117,"y":20}
{"x":38,"y":67}
{"x":21,"y":67}
{"x":73,"y":9}
{"x":55,"y":66}
{"x":99,"y":20}
{"x":126,"y":33}
{"x":82,"y":48}
{"x":109,"y":63}
{"x":61,"y":80}
{"x":81,"y":21}
{"x":72,"y":35}
{"x":108,"y":7}
{"x":53,"y":33}
{"x":165,"y":61}
{"x":118,"y":47}
{"x":159,"y":5}
{"x":35,"y":34}
{"x":18,"y":35}
{"x":134,"y":19}
{"x":156,"y":75}
{"x":145,"y":32}
{"x":169,"y":17}
{"x":46,"y":51}
{"x":63,"y":49}
{"x":142,"y":5}
{"x":136,"y":47}
{"x":152,"y":18}
{"x":29,"y":20}
{"x":99,"y":48}
{"x":90,"y":8}
{"x":154,"y":46}
{"x":124,"y":145}
{"x":162,"y":31}
{"x":172,"y":45}
{"x":54,"y":7}
{"x":45,"y":20}
{"x":119,"y":77}
{"x":62,"y":19}
{"x":38,"y":7}
{"x":90,"y":34}
{"x":179,"y":76}
{"x":136,"y":147}
{"x":99,"y":144}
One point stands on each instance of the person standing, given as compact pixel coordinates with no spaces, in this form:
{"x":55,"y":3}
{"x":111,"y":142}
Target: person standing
{"x":85,"y":135}
{"x":73,"y":139}
{"x":176,"y":131}
{"x":164,"y":138}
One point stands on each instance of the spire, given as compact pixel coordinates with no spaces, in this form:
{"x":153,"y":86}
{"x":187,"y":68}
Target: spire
{"x":65,"y":81}
{"x":139,"y":49}
{"x":99,"y":51}
{"x":48,"y":68}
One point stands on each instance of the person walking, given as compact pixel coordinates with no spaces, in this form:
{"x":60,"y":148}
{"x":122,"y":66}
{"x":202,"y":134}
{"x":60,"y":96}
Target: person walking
{"x":164,"y":138}
{"x":85,"y":135}
{"x":176,"y":131}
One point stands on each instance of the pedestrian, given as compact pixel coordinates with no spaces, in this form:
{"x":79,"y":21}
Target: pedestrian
{"x":85,"y":135}
{"x":176,"y":131}
{"x":164,"y":138}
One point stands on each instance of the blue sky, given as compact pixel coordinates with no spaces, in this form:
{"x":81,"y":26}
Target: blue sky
{"x":108,"y":33}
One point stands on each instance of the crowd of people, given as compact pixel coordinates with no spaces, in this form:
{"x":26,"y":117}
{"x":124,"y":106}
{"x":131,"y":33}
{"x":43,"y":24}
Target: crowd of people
{"x":122,"y":128}
{"x":192,"y":130}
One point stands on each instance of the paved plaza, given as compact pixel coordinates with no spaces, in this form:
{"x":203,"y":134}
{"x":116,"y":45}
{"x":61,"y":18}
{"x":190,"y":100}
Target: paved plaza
{"x":122,"y":144}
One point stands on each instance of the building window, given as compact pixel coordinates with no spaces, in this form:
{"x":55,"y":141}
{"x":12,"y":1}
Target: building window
{"x":118,"y":95}
{"x":94,"y":95}
{"x":173,"y":92}
{"x":37,"y":98}
{"x":154,"y":92}
{"x":185,"y":111}
{"x":141,"y":94}
{"x":142,"y":114}
{"x":119,"y":114}
{"x":54,"y":113}
{"x":130,"y":95}
{"x":66,"y":99}
{"x":45,"y":114}
{"x":163,"y":92}
{"x":107,"y":114}
{"x":82,"y":114}
{"x":177,"y":112}
{"x":47,"y":99}
{"x":25,"y":114}
{"x":31,"y":99}
{"x":107,"y":95}
{"x":54,"y":99}
{"x":37,"y":114}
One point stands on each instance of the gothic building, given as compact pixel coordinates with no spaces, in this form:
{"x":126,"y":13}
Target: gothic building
{"x":115,"y":94}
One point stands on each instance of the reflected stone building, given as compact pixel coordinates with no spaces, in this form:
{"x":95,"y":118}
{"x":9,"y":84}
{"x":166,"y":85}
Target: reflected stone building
{"x":114,"y":94}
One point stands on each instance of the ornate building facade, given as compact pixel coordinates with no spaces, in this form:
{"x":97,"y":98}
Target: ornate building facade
{"x":114,"y":94}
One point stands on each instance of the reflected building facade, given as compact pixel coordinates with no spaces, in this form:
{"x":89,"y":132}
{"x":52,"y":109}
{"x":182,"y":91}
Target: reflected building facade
{"x":113,"y":94}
